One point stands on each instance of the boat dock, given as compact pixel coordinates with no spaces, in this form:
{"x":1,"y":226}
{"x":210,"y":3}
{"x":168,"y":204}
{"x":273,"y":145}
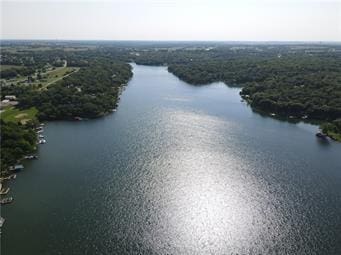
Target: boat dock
{"x":2,"y":221}
{"x":10,"y":177}
{"x":6,"y":200}
{"x":31,"y":157}
{"x":16,"y":168}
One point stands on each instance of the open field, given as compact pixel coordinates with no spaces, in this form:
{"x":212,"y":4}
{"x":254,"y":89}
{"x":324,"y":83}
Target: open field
{"x":48,"y":77}
{"x":15,"y":115}
{"x":55,"y":75}
{"x":5,"y":67}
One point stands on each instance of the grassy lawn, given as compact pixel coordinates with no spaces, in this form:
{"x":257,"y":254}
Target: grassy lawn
{"x":55,"y":75}
{"x":16,"y":115}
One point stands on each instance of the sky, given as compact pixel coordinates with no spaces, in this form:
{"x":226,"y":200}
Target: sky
{"x":192,"y":20}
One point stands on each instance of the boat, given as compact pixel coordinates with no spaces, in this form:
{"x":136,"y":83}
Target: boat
{"x":2,"y":221}
{"x":273,"y":114}
{"x":6,"y":200}
{"x":41,"y":136}
{"x":42,"y":141}
{"x":321,"y":135}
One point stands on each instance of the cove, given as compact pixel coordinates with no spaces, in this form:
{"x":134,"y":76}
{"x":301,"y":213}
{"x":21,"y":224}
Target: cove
{"x":178,"y":169}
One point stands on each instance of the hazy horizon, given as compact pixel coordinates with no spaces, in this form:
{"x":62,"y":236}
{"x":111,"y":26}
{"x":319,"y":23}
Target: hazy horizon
{"x":175,"y":41}
{"x":173,"y":20}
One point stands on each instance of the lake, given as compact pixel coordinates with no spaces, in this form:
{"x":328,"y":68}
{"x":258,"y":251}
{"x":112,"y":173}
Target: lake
{"x":178,"y":169}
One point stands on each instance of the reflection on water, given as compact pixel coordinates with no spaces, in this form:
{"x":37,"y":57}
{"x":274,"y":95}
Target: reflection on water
{"x":178,"y":169}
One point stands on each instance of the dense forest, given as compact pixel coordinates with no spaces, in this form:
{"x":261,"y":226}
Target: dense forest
{"x":16,"y":142}
{"x":89,"y":93}
{"x":13,"y":72}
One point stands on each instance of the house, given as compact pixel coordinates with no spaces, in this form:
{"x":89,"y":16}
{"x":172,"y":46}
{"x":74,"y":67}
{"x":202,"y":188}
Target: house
{"x":11,"y":97}
{"x":4,"y":103}
{"x":7,"y":102}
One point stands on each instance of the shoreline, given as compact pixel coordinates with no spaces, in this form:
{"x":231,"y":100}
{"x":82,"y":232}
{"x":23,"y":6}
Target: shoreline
{"x":9,"y":175}
{"x":292,"y":119}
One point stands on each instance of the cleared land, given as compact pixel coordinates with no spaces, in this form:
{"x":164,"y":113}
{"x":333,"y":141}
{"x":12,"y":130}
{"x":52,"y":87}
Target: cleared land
{"x":48,"y":78}
{"x":13,"y":114}
{"x":54,"y":76}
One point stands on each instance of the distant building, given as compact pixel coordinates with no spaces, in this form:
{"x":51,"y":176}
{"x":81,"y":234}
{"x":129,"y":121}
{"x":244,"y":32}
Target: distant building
{"x":4,"y":103}
{"x":11,"y":97}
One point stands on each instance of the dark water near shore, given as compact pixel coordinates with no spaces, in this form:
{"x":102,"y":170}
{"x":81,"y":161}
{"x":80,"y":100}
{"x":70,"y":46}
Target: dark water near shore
{"x":178,"y":169}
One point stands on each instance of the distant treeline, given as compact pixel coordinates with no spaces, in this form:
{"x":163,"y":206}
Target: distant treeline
{"x":292,"y":80}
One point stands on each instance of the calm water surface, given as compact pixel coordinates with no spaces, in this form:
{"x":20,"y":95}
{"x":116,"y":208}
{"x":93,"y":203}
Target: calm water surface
{"x":178,"y":169}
